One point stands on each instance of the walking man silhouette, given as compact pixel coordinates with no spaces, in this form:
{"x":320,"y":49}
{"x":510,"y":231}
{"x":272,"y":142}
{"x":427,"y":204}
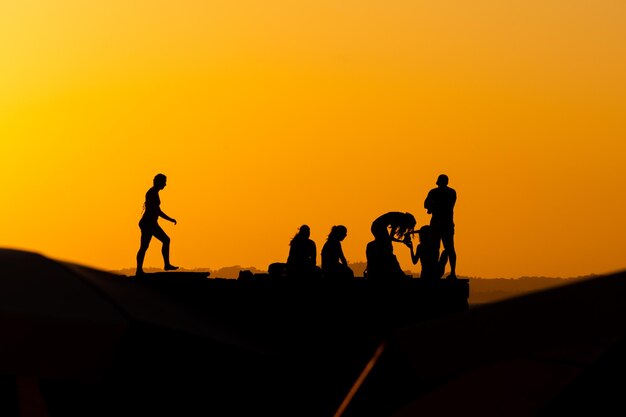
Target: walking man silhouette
{"x":150,"y":227}
{"x":440,"y":203}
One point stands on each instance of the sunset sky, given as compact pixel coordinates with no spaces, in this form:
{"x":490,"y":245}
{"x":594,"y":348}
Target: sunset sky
{"x":266,"y":115}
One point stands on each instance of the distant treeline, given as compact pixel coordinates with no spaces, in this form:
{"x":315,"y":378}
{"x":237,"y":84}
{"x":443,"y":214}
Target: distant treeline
{"x":482,"y":290}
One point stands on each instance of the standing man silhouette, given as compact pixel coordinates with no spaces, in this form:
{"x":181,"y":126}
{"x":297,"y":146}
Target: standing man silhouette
{"x":150,"y":227}
{"x":440,"y":203}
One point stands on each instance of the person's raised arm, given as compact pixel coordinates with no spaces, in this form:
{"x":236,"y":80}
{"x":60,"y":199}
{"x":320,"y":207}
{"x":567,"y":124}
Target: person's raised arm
{"x":395,"y":230}
{"x":415,"y":254}
{"x":166,"y":217}
{"x":400,"y":231}
{"x":395,"y":239}
{"x":342,"y":258}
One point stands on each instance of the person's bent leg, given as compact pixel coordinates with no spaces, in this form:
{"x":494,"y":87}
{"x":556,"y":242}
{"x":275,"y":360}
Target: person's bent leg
{"x":165,"y":250}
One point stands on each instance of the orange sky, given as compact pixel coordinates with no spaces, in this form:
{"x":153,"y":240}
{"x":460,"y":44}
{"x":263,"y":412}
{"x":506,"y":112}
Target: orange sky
{"x":269,"y":114}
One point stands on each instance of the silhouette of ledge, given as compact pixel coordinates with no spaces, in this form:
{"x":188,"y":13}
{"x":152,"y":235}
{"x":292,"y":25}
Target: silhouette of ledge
{"x":319,"y":333}
{"x":173,"y":274}
{"x":179,"y":343}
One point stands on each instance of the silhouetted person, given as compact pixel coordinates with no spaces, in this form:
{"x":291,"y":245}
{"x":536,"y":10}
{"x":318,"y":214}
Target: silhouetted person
{"x":427,"y":252}
{"x":440,"y":203}
{"x":334,"y":264}
{"x":382,"y":264}
{"x":150,"y":227}
{"x":301,"y":263}
{"x":393,"y":226}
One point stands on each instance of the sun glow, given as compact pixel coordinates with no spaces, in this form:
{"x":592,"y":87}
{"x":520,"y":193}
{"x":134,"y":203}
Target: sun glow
{"x":266,"y":115}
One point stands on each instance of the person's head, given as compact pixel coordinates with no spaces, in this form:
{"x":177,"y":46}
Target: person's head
{"x":304,"y":232}
{"x":338,"y":232}
{"x":424,"y":233}
{"x":159,"y":181}
{"x":442,"y":180}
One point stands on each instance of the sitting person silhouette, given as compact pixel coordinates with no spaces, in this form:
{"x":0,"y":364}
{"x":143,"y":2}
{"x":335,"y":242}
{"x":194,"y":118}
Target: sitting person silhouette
{"x":427,"y":252}
{"x":149,"y":225}
{"x":334,"y":264}
{"x":382,"y":264}
{"x":302,"y":259}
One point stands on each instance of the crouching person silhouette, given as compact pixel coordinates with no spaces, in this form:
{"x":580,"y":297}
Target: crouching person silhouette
{"x":382,"y":264}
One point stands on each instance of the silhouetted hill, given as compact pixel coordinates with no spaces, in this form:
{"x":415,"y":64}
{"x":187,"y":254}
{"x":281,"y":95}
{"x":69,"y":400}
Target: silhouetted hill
{"x":555,"y":352}
{"x":358,"y":268}
{"x":233,"y":271}
{"x":487,"y":290}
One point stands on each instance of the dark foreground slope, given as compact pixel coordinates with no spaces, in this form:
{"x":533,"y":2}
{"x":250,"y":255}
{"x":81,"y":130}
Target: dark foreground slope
{"x":557,"y":352}
{"x":78,"y":341}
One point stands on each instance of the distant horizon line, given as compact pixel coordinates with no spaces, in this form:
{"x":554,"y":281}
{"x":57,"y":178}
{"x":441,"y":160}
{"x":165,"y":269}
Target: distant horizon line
{"x":254,"y":269}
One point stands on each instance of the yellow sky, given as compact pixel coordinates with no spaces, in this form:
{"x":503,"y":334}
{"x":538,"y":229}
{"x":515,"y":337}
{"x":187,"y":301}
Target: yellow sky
{"x":269,"y":114}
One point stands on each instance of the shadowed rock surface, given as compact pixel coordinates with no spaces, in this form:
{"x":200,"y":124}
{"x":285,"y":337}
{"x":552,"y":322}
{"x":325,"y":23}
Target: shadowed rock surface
{"x":557,"y":352}
{"x":86,"y":342}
